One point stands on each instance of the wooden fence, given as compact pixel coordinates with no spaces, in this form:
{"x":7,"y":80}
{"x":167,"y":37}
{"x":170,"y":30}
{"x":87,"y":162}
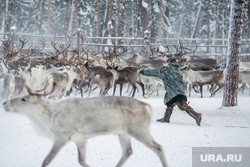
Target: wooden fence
{"x":213,"y":48}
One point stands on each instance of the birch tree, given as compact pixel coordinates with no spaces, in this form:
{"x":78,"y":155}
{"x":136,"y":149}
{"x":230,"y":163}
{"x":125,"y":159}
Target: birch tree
{"x":230,"y":96}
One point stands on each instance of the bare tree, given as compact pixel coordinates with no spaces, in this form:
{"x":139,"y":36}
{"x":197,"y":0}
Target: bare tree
{"x":40,"y":17}
{"x":98,"y":20}
{"x":117,"y":20}
{"x":208,"y":24}
{"x":230,"y":96}
{"x":160,"y":19}
{"x":49,"y":19}
{"x":110,"y":17}
{"x":72,"y":22}
{"x":197,"y":20}
{"x":144,"y":17}
{"x":123,"y":18}
{"x":5,"y":16}
{"x":249,"y":17}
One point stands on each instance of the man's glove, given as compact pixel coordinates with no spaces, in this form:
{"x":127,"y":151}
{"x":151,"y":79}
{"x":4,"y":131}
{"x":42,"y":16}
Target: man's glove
{"x":142,"y":72}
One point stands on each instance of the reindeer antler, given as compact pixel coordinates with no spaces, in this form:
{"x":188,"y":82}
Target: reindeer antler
{"x":37,"y":91}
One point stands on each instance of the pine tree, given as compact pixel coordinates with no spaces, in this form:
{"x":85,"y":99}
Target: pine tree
{"x":230,"y":96}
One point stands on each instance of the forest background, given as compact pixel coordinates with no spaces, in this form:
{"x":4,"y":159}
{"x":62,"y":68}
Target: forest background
{"x":122,"y":18}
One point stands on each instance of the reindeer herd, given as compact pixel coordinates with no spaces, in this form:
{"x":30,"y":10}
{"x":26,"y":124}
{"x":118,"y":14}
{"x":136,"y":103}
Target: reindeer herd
{"x":81,"y":70}
{"x":52,"y":80}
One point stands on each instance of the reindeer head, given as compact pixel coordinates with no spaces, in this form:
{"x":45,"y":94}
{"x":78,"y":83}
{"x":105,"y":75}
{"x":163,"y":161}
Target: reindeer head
{"x":26,"y":103}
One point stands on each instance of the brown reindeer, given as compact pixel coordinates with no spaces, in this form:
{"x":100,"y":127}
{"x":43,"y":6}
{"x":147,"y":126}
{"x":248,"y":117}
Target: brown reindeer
{"x":129,"y":75}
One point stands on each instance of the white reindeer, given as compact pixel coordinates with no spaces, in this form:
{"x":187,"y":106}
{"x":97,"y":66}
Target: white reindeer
{"x":152,"y":84}
{"x":86,"y":118}
{"x":244,"y":79}
{"x":201,"y":78}
{"x":63,"y":80}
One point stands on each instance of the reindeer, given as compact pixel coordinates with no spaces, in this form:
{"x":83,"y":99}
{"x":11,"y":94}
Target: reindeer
{"x":244,"y":78}
{"x":129,"y":75}
{"x":11,"y":85}
{"x":151,"y":84}
{"x":87,"y":118}
{"x":11,"y":51}
{"x":244,"y":65}
{"x":104,"y":79}
{"x":82,"y":81}
{"x":201,"y":78}
{"x":63,"y":80}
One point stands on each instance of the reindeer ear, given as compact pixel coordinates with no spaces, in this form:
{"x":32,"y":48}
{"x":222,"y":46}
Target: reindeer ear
{"x":86,"y":65}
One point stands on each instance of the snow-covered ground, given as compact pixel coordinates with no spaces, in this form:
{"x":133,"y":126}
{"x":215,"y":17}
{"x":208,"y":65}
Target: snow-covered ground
{"x":20,"y":146}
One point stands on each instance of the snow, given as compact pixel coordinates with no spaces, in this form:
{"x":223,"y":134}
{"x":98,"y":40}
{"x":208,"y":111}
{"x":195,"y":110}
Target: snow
{"x":156,"y":8}
{"x":144,"y":4}
{"x":220,"y":127}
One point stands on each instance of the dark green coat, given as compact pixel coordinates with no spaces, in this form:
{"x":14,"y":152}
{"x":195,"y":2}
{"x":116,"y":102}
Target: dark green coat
{"x":172,"y":78}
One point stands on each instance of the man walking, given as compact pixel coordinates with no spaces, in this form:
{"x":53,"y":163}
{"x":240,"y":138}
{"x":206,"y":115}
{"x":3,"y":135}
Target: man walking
{"x":172,"y":78}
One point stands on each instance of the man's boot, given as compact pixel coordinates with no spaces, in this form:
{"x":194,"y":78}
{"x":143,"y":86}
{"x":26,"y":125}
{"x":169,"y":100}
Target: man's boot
{"x":195,"y":115}
{"x":167,"y":115}
{"x":184,"y":106}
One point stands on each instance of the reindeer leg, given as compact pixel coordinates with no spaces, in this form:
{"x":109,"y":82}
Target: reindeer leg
{"x":102,"y":91}
{"x":201,"y":89}
{"x":189,"y":89}
{"x":115,"y":84}
{"x":144,"y":136}
{"x":125,"y":141}
{"x":105,"y":91}
{"x":58,"y":144}
{"x":134,"y":89}
{"x":90,"y":89}
{"x":81,"y":91}
{"x":142,"y":86}
{"x":157,"y":90}
{"x":69,"y":91}
{"x":81,"y":147}
{"x":128,"y":88}
{"x":213,"y":93}
{"x":121,"y":86}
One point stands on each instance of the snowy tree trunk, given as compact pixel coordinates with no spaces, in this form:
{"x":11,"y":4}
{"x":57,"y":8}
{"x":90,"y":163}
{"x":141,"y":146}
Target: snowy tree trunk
{"x":249,"y":18}
{"x":110,"y":18}
{"x":5,"y":14}
{"x":208,"y":26}
{"x":117,"y":33}
{"x":49,"y":19}
{"x":160,"y":21}
{"x":72,"y":22}
{"x":197,"y":20}
{"x":230,"y":96}
{"x":123,"y":18}
{"x":144,"y":15}
{"x":40,"y":16}
{"x":98,"y":20}
{"x":184,"y":8}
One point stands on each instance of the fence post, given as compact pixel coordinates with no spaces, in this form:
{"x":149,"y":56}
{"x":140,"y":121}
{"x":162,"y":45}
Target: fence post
{"x":146,"y":42}
{"x":12,"y":35}
{"x":78,"y":38}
